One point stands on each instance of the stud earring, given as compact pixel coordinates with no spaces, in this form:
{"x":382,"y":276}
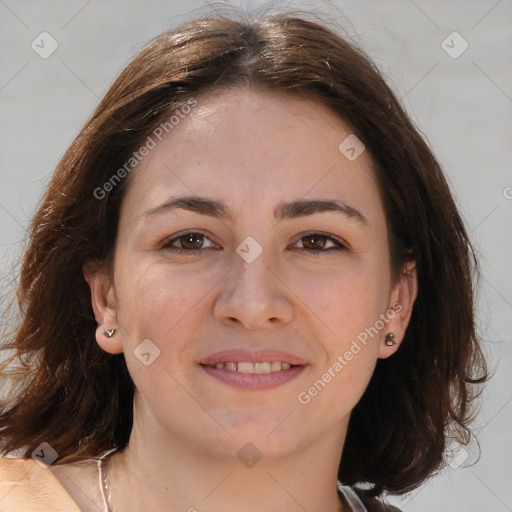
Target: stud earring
{"x":390,"y":340}
{"x":109,"y":332}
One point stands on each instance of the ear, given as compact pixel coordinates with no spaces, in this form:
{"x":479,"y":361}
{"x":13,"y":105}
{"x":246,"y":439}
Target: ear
{"x":104,"y":305}
{"x":399,"y":310}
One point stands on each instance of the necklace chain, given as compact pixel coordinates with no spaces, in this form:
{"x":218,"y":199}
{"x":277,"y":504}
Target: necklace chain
{"x":105,"y":466}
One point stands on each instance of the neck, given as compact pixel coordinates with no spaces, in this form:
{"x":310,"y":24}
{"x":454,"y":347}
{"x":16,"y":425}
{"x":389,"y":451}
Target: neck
{"x":156,"y":473}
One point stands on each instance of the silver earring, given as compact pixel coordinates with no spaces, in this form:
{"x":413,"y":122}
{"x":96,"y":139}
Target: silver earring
{"x":109,"y":332}
{"x":390,"y":340}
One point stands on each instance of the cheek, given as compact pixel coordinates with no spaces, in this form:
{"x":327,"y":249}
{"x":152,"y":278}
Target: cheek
{"x":162,"y":305}
{"x":157,"y":301}
{"x":345,"y":300}
{"x":344,"y":309}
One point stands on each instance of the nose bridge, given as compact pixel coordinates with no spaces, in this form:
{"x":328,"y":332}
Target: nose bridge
{"x":253,"y":276}
{"x":253,"y":295}
{"x":252,"y":281}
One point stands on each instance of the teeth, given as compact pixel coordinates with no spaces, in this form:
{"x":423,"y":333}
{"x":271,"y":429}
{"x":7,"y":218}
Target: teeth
{"x":275,"y":366}
{"x":261,"y":367}
{"x":248,"y":367}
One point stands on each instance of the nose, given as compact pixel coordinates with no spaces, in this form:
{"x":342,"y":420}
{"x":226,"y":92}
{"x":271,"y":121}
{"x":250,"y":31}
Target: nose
{"x":254,"y":296}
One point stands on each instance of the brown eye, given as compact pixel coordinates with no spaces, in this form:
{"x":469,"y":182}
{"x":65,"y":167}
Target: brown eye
{"x":314,"y":242}
{"x":318,"y":242}
{"x":191,"y":241}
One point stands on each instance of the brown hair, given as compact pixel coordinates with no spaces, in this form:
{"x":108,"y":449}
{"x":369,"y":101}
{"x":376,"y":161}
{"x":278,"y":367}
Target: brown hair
{"x":79,"y":398}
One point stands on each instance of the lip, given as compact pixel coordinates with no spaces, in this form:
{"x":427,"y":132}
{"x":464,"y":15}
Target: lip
{"x":259,"y":356}
{"x":254,"y":381}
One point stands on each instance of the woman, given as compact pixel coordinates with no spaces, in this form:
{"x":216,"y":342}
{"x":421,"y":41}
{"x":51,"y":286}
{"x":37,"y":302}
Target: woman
{"x":247,"y":286}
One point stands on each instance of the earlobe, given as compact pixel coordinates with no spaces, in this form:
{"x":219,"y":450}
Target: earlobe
{"x":103,"y":301}
{"x":108,"y":339}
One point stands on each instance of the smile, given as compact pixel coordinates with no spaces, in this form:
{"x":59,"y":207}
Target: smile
{"x":253,"y":376}
{"x":249,"y":367}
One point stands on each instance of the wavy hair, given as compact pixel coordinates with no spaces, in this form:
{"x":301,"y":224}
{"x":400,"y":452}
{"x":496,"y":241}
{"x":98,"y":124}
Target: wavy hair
{"x":79,"y":398}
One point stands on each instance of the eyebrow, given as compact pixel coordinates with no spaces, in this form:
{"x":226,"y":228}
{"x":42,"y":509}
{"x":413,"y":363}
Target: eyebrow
{"x":291,"y":210}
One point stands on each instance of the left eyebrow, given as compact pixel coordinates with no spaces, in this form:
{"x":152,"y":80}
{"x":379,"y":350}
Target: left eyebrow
{"x":291,"y":210}
{"x":302,"y":207}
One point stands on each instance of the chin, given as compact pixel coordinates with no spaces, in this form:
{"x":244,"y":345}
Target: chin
{"x":271,"y":431}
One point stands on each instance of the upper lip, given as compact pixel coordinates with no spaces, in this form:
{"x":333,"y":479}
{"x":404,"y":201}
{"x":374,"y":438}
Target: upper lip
{"x":252,"y":356}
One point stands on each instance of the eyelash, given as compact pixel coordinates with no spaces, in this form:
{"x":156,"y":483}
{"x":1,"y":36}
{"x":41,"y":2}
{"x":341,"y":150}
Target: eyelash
{"x":338,"y":244}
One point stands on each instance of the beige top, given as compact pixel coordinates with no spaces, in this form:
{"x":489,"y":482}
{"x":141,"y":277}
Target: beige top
{"x":27,"y":486}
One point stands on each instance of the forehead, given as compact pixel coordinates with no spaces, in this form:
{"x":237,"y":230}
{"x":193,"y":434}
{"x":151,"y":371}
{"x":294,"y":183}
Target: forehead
{"x":247,"y":146}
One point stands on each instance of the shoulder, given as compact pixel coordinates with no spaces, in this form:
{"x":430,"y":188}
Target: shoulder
{"x":27,"y":486}
{"x":373,"y":504}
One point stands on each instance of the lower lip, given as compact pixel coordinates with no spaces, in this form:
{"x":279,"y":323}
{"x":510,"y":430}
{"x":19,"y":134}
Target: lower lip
{"x":255,"y":381}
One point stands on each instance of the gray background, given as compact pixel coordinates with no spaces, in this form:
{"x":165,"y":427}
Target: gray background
{"x":463,"y":106}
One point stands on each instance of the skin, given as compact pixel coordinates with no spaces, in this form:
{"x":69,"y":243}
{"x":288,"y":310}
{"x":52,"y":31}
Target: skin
{"x":251,"y":150}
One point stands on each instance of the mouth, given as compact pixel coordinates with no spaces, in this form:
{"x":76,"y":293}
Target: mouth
{"x":250,"y":367}
{"x":250,"y":370}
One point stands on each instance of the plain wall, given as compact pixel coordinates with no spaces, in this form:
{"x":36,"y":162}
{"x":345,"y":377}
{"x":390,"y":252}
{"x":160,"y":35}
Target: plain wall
{"x":463,"y":106}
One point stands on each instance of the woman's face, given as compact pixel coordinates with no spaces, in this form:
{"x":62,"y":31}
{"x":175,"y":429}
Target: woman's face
{"x":279,"y":256}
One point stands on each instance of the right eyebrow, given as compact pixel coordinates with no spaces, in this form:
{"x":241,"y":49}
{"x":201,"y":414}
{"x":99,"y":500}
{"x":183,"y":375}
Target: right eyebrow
{"x":196,"y":204}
